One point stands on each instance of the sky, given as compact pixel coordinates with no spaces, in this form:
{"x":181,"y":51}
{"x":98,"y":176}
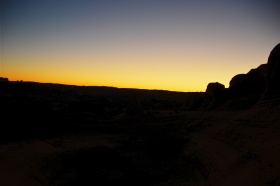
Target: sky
{"x":177,"y":45}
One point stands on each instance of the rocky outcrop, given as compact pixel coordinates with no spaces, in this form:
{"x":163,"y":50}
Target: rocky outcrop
{"x":215,"y":95}
{"x":274,"y":71}
{"x":258,"y":84}
{"x":245,"y":90}
{"x":215,"y":88}
{"x":254,"y":83}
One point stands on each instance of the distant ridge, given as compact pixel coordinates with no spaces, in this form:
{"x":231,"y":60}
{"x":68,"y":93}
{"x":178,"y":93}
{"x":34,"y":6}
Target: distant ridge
{"x":3,"y":79}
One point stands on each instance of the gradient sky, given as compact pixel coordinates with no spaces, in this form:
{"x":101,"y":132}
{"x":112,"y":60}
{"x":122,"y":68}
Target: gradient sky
{"x":178,"y":45}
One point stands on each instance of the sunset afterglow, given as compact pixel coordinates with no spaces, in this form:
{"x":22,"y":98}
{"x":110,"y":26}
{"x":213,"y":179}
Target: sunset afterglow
{"x":171,"y":45}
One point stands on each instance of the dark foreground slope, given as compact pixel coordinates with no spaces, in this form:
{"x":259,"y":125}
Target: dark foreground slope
{"x":68,"y":135}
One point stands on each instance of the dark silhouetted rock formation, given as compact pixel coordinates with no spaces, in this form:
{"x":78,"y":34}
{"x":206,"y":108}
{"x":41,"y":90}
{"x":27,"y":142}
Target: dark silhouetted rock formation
{"x":252,"y":83}
{"x":260,"y":83}
{"x":245,"y":90}
{"x":274,"y":71}
{"x":256,"y":81}
{"x":215,"y":88}
{"x":215,"y":95}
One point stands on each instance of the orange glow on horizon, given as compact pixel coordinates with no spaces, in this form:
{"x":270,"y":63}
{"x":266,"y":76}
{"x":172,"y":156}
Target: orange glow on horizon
{"x":159,"y":73}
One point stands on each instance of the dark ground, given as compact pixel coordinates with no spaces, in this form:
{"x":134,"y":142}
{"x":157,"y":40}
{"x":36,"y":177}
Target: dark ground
{"x":68,"y":135}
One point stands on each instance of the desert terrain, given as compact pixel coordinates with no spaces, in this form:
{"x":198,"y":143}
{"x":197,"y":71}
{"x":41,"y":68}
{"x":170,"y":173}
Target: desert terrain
{"x":64,"y":135}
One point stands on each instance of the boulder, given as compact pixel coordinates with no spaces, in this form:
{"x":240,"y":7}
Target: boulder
{"x":215,"y":95}
{"x":215,"y":88}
